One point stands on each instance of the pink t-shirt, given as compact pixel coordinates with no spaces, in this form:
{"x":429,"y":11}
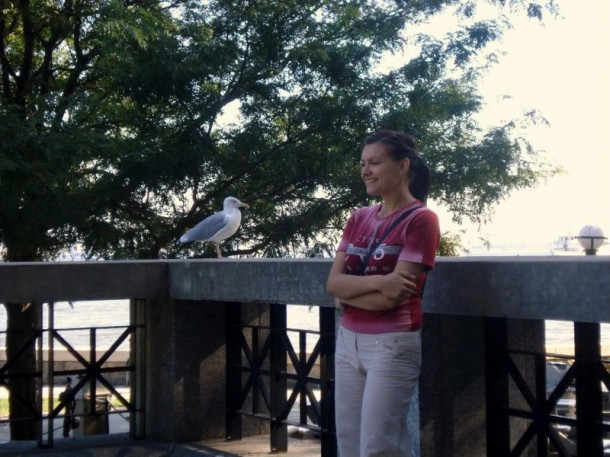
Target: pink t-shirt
{"x":415,"y":240}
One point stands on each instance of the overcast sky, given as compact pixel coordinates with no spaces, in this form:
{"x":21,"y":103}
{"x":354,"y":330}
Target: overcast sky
{"x":561,"y":68}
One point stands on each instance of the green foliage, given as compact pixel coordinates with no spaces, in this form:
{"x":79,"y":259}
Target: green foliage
{"x":450,"y":245}
{"x":124,"y":123}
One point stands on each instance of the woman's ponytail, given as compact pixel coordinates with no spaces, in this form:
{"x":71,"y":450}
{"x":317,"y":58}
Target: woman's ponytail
{"x":419,"y":178}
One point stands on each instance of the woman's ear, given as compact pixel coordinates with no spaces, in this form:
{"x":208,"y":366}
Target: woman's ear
{"x":405,"y":164}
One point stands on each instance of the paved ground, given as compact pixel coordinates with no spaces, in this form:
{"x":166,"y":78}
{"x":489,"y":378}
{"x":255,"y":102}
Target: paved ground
{"x":117,"y":444}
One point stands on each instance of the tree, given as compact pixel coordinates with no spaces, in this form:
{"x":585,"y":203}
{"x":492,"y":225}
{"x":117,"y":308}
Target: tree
{"x":127,"y":121}
{"x":52,"y":58}
{"x":301,"y":77}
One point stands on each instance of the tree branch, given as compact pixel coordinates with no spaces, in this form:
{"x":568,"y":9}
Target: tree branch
{"x":28,"y":53}
{"x":82,"y":61}
{"x":7,"y":69}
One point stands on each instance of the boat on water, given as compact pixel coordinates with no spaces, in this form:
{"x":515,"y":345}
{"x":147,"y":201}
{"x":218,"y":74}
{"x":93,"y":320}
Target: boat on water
{"x":569,"y":245}
{"x":566,"y":245}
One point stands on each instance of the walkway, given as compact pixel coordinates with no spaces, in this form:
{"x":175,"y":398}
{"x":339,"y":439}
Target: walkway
{"x":301,"y":443}
{"x":119,"y":445}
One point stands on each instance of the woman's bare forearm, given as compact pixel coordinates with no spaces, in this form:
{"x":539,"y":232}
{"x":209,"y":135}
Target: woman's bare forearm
{"x":344,"y":286}
{"x":374,"y":301}
{"x":396,"y":286}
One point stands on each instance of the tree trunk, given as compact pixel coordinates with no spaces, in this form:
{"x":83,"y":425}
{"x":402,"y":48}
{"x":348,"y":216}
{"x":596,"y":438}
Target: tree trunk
{"x":23,"y":324}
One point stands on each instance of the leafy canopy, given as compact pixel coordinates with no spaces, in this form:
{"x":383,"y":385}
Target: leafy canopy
{"x":124,"y":122}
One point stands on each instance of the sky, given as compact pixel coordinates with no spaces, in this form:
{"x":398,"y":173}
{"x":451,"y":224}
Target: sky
{"x":562,"y":69}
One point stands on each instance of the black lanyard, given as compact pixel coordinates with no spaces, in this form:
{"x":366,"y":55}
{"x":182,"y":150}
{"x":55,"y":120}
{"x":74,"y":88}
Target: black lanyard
{"x":392,"y":226}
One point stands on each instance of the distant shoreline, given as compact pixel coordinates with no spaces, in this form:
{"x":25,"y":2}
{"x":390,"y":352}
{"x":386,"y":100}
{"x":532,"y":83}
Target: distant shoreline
{"x":559,"y":350}
{"x":61,"y":355}
{"x":123,"y":355}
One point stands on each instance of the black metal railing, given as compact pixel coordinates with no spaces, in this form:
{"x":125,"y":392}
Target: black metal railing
{"x":92,"y":369}
{"x":262,"y":384}
{"x":513,"y":395}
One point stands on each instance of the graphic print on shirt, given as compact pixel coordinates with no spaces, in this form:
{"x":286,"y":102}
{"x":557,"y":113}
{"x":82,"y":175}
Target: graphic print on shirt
{"x":364,"y":230}
{"x":382,"y":261}
{"x":362,"y":240}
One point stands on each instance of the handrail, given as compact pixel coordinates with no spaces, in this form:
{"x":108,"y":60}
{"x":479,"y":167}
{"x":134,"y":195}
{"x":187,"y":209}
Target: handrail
{"x":570,"y":288}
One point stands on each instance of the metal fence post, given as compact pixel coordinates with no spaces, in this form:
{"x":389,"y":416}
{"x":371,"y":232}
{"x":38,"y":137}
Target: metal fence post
{"x":278,"y":383}
{"x":233,"y":371}
{"x":137,"y":360}
{"x":496,"y":387}
{"x":589,"y":438}
{"x":327,"y":381}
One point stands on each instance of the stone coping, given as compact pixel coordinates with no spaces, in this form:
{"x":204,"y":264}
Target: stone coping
{"x":570,"y":288}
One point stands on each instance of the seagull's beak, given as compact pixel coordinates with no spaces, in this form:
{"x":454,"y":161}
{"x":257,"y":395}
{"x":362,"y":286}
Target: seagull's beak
{"x":244,"y":205}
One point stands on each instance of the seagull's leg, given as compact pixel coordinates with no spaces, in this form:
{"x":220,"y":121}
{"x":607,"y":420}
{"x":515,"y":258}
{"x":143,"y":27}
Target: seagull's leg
{"x":218,"y":250}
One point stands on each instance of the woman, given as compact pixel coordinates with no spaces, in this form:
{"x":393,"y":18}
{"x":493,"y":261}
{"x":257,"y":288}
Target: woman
{"x":378,"y":351}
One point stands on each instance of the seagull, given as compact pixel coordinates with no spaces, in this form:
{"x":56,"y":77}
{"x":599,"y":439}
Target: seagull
{"x":219,"y":226}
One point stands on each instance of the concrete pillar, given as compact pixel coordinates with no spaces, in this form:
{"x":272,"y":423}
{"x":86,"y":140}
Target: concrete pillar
{"x":452,"y":385}
{"x":185,"y":370}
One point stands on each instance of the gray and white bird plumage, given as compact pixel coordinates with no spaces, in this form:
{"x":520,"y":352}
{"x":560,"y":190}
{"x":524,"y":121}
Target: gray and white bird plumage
{"x":219,"y":226}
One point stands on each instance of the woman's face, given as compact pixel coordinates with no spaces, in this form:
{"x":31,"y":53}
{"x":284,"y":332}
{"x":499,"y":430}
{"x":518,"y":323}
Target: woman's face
{"x":380,"y":172}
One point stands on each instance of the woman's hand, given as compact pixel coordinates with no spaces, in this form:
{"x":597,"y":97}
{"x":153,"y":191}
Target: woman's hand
{"x":397,"y":286}
{"x":375,"y":292}
{"x":392,"y":290}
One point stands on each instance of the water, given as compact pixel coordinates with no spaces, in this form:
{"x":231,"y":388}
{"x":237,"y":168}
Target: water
{"x":560,"y":338}
{"x":113,"y":313}
{"x":109,"y":313}
{"x":82,"y":315}
{"x":305,"y":317}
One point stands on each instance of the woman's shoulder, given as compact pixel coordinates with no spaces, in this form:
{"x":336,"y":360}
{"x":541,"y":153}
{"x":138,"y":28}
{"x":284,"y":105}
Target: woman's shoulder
{"x":424,"y":211}
{"x":366,"y":210}
{"x":364,"y":213}
{"x":425,"y":216}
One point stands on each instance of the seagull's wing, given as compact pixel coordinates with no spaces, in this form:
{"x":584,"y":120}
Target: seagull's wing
{"x":206,"y":229}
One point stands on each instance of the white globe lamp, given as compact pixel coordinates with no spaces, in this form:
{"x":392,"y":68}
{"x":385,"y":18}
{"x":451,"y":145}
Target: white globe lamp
{"x":591,"y":238}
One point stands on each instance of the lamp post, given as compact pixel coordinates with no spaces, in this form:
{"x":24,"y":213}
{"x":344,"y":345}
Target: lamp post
{"x":591,"y":238}
{"x":587,"y":353}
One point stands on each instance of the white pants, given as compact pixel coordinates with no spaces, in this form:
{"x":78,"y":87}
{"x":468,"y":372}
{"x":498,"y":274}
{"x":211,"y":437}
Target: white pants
{"x":375,"y":377}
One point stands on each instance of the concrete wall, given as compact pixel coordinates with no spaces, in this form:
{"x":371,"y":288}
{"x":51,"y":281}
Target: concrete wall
{"x":185,"y":326}
{"x":56,"y":281}
{"x":452,"y":386}
{"x":186,"y":382}
{"x":569,"y":288}
{"x":559,"y":288}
